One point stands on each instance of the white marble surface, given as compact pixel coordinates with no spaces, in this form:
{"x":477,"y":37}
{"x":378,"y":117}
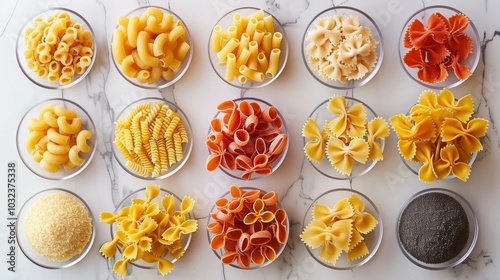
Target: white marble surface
{"x":296,"y":93}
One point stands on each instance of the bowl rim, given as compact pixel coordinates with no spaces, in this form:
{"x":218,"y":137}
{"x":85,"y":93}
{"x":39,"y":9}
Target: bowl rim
{"x":90,"y":125}
{"x":184,"y":119}
{"x":475,"y":39}
{"x":351,"y":84}
{"x":24,"y":209}
{"x":379,"y":226}
{"x":473,"y":227}
{"x":345,"y":177}
{"x":253,"y":267}
{"x":179,"y":74}
{"x":28,"y":73}
{"x":283,"y":154}
{"x":129,"y":197}
{"x":251,"y":84}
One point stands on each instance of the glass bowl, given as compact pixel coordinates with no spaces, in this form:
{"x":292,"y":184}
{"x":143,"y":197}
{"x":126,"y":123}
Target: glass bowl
{"x":239,"y":173}
{"x":26,"y":248}
{"x":21,"y":48}
{"x":220,"y":252}
{"x":473,"y":228}
{"x":22,"y":136}
{"x":470,"y":62}
{"x":366,"y":21}
{"x":227,"y":21}
{"x":321,"y":114}
{"x":140,"y":194}
{"x":161,"y":82}
{"x":187,"y":147}
{"x":372,"y":239}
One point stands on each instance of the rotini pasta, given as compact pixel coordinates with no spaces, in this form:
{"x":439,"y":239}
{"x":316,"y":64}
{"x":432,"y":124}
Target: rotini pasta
{"x":151,"y":139}
{"x":62,"y":41}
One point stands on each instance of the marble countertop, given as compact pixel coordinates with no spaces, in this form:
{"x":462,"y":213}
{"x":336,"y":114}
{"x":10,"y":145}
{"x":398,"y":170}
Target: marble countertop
{"x":295,"y":93}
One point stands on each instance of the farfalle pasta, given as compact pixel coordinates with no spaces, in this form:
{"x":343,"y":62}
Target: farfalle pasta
{"x":245,"y":137}
{"x":248,"y":227}
{"x":441,"y":133}
{"x":341,"y":49}
{"x":151,"y":138}
{"x":339,"y":229}
{"x":150,"y":231}
{"x":438,"y":47}
{"x":346,"y":138}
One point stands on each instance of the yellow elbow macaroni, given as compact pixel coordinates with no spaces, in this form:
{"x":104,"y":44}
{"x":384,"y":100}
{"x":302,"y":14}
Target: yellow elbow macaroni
{"x":256,"y":47}
{"x":55,"y":42}
{"x":150,"y":46}
{"x":56,"y":138}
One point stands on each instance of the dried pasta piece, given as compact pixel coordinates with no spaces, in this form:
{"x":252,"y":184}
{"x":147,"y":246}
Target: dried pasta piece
{"x":317,"y":233}
{"x":341,"y":210}
{"x":453,"y":129}
{"x":376,"y":128}
{"x":342,"y":156}
{"x":315,"y":147}
{"x":448,"y":163}
{"x":357,"y":252}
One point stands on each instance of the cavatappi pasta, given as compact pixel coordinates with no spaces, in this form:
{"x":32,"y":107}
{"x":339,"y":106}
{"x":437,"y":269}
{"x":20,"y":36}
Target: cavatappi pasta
{"x":150,"y":138}
{"x":57,"y":48}
{"x":150,"y":46}
{"x":249,"y":49}
{"x":56,"y":138}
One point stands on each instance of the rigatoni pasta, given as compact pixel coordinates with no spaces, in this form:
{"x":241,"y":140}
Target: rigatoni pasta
{"x":150,"y":46}
{"x":256,"y":47}
{"x":57,"y":48}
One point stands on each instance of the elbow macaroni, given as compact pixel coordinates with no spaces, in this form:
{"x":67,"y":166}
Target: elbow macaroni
{"x":56,"y":138}
{"x":256,"y":47}
{"x":55,"y":42}
{"x":150,"y":46}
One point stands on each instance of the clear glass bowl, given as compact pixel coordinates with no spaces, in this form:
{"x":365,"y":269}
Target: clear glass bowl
{"x":237,"y":173}
{"x":25,"y":247}
{"x":22,"y":135}
{"x":320,"y":114}
{"x":186,"y":147}
{"x":367,"y":21}
{"x":21,"y":48}
{"x":183,"y":67}
{"x":226,"y":21}
{"x":140,"y":194}
{"x":473,"y":231}
{"x":372,"y":239}
{"x":471,"y":62}
{"x":220,"y":252}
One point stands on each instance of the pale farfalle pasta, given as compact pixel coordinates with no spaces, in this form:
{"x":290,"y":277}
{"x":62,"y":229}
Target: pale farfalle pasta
{"x":346,"y":137}
{"x":151,"y":138}
{"x":246,"y":137}
{"x":340,"y":48}
{"x":440,"y":133}
{"x":151,"y":46}
{"x":339,"y":229}
{"x":247,"y":228}
{"x":149,"y":230}
{"x":57,"y":138}
{"x":57,"y":48}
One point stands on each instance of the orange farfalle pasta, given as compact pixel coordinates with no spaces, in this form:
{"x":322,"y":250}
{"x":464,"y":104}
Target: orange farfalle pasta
{"x":341,"y":49}
{"x":249,"y":229}
{"x":339,"y":229}
{"x":438,"y":47}
{"x":246,"y":138}
{"x":146,"y":231}
{"x":440,"y":133}
{"x":347,"y":138}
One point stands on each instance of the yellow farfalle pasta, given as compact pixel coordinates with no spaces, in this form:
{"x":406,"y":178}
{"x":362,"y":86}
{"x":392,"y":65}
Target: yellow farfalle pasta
{"x":56,"y":138}
{"x":339,"y":229}
{"x":440,"y":133}
{"x":346,"y":138}
{"x":149,"y":232}
{"x":57,"y":48}
{"x":150,"y":46}
{"x":150,"y":138}
{"x":340,"y":48}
